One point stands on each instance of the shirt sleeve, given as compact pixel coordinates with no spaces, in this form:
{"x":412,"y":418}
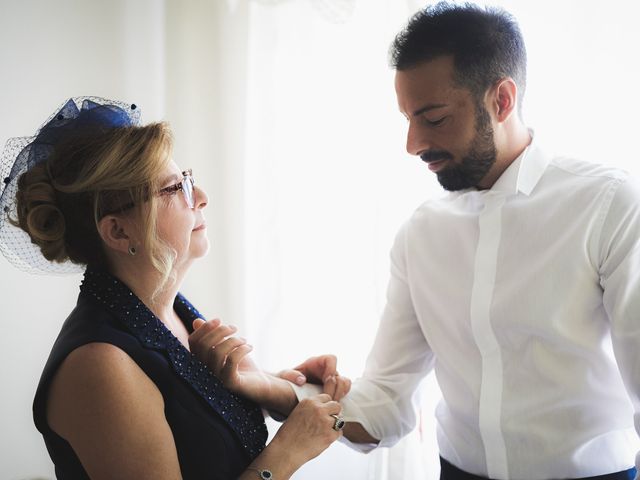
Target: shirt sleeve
{"x":384,"y":399}
{"x":620,"y":279}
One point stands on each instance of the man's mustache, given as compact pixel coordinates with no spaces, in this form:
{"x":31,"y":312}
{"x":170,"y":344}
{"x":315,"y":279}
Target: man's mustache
{"x":435,"y":155}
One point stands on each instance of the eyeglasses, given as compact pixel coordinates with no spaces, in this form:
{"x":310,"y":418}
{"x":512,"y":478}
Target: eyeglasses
{"x":186,"y":185}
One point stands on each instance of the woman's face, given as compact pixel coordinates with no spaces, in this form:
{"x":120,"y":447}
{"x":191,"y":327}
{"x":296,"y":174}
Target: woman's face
{"x":181,"y":227}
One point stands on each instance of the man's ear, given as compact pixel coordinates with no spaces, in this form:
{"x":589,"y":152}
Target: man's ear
{"x":503,"y":99}
{"x":115,"y":233}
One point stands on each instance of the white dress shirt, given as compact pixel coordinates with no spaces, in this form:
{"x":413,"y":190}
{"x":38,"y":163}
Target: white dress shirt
{"x":516,"y":296}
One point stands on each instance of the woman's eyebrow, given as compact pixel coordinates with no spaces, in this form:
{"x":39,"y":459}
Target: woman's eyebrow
{"x":171,"y":178}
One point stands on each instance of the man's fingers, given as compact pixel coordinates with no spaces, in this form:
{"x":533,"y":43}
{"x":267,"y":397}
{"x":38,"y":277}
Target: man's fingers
{"x":330,"y":366}
{"x":318,"y":369}
{"x":329,"y":386}
{"x":342,"y":388}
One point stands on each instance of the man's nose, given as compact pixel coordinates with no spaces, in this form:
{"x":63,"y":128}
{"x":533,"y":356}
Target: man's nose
{"x":417,"y":139}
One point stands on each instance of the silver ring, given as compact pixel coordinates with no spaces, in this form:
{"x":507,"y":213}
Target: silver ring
{"x":339,"y":422}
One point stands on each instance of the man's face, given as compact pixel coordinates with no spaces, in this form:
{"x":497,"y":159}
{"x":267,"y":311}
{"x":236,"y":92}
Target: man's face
{"x":447,"y":129}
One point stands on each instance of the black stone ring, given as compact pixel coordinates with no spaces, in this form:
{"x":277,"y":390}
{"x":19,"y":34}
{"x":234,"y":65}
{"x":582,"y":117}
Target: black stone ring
{"x":339,"y":422}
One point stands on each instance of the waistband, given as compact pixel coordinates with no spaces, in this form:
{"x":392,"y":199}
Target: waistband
{"x":451,"y":472}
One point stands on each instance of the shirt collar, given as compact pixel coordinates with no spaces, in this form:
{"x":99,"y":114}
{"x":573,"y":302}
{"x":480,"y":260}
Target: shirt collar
{"x":525,"y":171}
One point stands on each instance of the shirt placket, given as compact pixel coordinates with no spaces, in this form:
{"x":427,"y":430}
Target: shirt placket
{"x":491,"y":387}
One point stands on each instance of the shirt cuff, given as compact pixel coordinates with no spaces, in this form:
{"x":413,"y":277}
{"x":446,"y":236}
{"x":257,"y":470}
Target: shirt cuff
{"x":305,"y":391}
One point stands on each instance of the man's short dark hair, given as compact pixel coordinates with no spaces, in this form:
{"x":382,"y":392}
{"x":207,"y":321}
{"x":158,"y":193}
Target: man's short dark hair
{"x":486,"y":45}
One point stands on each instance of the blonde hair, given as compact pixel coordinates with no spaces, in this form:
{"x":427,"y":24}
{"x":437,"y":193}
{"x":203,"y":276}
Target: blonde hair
{"x":93,"y":173}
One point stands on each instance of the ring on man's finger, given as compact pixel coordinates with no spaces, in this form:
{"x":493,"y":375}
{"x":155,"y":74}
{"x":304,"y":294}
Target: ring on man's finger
{"x":339,"y":422}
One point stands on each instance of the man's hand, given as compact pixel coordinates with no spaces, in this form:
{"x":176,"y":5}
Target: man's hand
{"x":320,"y":370}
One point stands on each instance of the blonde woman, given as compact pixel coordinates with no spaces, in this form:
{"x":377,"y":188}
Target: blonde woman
{"x":121,"y":395}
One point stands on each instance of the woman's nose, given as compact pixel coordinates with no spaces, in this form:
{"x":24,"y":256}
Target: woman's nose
{"x":201,"y":198}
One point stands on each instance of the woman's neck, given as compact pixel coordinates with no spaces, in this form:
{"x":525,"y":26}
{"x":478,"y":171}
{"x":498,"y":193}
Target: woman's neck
{"x":144,"y":282}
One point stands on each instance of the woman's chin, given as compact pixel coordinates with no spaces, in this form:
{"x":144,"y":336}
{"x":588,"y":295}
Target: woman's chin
{"x":201,"y":250}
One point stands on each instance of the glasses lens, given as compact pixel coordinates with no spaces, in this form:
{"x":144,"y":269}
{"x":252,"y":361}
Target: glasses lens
{"x":187,"y":189}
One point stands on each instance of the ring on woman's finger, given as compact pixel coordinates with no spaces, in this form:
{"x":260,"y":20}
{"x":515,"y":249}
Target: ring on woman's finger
{"x":339,"y":422}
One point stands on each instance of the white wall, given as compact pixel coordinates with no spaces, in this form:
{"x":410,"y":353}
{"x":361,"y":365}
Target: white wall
{"x":50,"y":51}
{"x":170,"y":57}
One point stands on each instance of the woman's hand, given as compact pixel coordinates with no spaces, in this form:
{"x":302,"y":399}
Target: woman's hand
{"x":320,"y":370}
{"x":309,"y":429}
{"x":307,"y":432}
{"x":228,"y":357}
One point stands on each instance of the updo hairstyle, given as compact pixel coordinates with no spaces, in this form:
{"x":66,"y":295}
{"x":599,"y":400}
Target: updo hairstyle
{"x":92,"y":173}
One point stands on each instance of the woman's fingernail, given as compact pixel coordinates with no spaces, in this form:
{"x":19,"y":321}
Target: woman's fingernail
{"x":300,"y":380}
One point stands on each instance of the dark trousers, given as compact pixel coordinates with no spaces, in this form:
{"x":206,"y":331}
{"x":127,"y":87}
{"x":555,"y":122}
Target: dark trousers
{"x":450,"y":472}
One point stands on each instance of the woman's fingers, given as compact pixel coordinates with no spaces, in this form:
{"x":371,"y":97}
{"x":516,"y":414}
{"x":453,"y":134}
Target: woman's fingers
{"x":325,"y":402}
{"x":201,"y":327}
{"x":310,"y":427}
{"x":230,"y":367}
{"x":321,"y":398}
{"x":218,"y":354}
{"x":218,"y":334}
{"x":200,"y":330}
{"x":207,"y":336}
{"x":322,"y":408}
{"x":333,"y":407}
{"x":197,"y":323}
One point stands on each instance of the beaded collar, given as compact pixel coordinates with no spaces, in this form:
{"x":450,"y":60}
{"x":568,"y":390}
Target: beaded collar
{"x":242,"y":415}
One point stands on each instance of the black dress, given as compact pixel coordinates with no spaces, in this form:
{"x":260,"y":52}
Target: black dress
{"x":217,"y":434}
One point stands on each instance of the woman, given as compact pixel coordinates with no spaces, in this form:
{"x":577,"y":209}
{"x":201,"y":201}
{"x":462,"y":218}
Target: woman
{"x":121,"y":395}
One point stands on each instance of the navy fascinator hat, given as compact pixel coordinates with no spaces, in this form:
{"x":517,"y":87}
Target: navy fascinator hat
{"x":23,"y":153}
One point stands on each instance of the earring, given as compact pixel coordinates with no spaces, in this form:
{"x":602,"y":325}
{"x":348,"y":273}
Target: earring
{"x":132,"y":251}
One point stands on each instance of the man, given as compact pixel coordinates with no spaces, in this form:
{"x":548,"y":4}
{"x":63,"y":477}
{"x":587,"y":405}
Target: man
{"x":513,"y":285}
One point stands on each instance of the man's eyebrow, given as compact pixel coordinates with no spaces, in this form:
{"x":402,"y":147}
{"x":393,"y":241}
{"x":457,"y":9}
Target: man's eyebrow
{"x":428,"y":107}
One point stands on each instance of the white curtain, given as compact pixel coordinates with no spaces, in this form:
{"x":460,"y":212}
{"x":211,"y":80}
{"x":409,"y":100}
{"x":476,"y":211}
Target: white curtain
{"x":327,"y":181}
{"x":326,"y":187}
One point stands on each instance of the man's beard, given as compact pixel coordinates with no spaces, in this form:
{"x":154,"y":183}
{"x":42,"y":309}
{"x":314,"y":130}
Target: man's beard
{"x":475,"y":164}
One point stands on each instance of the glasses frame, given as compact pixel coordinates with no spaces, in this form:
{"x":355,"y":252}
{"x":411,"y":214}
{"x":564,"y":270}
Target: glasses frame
{"x":186,"y":185}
